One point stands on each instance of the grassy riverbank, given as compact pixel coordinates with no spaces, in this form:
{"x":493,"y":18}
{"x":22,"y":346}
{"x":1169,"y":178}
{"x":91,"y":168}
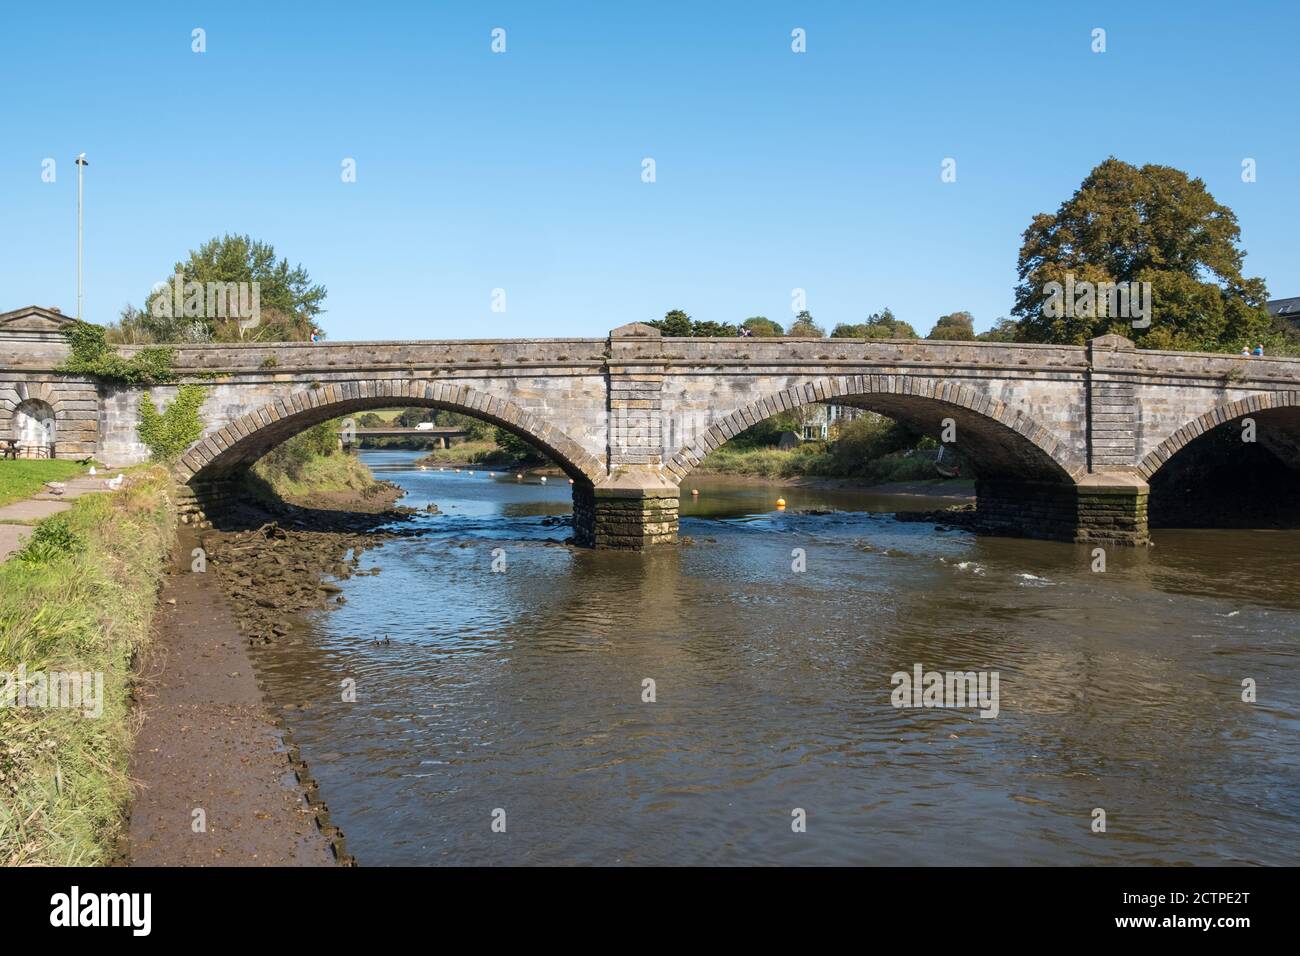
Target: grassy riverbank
{"x":813,"y":460}
{"x":26,"y":477}
{"x":310,"y":463}
{"x":80,"y":597}
{"x":484,"y":452}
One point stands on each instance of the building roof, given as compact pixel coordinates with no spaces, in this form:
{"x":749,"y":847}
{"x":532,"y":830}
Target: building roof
{"x":1285,"y":308}
{"x":34,"y":318}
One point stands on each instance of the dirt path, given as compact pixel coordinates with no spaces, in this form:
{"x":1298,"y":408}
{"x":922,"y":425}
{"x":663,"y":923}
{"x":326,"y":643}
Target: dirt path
{"x":209,"y":743}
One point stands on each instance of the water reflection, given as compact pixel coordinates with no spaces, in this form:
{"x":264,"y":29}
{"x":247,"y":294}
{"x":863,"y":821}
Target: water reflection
{"x":522,"y":690}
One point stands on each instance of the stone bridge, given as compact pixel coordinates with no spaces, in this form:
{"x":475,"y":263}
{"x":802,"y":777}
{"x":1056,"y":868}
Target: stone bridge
{"x":1066,"y":441}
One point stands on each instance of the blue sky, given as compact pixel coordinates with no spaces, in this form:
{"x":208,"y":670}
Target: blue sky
{"x":522,"y":170}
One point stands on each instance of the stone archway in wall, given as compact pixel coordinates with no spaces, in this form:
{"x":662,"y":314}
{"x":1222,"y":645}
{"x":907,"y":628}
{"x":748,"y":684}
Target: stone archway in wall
{"x":1008,"y":444}
{"x":35,"y":428}
{"x":231,"y":449}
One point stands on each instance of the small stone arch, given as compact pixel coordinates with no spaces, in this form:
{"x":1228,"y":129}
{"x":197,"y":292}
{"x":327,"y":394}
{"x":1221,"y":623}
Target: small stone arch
{"x":235,"y":446}
{"x":1044,"y":456}
{"x":1202,"y":424}
{"x":35,"y":426}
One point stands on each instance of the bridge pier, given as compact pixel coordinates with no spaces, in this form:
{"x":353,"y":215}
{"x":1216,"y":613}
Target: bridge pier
{"x":1105,"y":507}
{"x":631,"y":510}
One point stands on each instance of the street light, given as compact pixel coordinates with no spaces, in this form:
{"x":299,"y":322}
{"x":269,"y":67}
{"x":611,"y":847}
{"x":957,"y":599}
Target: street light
{"x":81,"y":165}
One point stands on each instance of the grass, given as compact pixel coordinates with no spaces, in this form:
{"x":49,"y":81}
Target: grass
{"x":470,"y":452}
{"x":85,"y":605}
{"x":25,"y":477}
{"x":336,"y":472}
{"x":812,"y":460}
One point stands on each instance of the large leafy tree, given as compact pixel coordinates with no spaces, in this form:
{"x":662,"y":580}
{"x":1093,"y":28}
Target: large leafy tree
{"x":954,"y":327}
{"x":803,"y":326}
{"x":879,"y":325}
{"x":289,"y":301}
{"x":762,"y":327}
{"x":1143,"y":224}
{"x":677,"y":323}
{"x":1004,"y":330}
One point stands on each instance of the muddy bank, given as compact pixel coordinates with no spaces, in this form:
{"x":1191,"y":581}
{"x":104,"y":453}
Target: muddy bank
{"x":210,"y":768}
{"x":277,"y":562}
{"x":210,"y":741}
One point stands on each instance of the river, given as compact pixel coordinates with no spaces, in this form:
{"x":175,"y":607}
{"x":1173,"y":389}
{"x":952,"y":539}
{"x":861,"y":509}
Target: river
{"x":521,"y":690}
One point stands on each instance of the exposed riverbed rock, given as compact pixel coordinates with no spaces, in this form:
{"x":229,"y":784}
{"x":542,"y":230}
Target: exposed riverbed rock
{"x":277,"y":562}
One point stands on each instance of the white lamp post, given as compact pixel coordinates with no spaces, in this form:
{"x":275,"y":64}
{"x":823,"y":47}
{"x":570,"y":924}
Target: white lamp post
{"x":81,"y":166}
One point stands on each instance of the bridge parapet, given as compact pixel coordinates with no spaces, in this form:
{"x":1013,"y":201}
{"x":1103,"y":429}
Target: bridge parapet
{"x":1062,"y":435}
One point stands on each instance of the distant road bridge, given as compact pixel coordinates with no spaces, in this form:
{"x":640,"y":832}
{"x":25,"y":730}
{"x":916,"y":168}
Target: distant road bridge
{"x":440,"y":434}
{"x":1067,"y":441}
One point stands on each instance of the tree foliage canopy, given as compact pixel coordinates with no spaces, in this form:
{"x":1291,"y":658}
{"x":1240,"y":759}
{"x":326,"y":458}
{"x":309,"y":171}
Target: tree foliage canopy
{"x":1144,"y":224}
{"x":289,"y":301}
{"x":803,"y":326}
{"x":879,"y":325}
{"x":678,"y":324}
{"x":762,"y":327}
{"x":954,"y":327}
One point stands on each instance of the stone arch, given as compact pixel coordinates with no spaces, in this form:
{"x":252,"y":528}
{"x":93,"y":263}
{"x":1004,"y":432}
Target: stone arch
{"x":1167,"y":449}
{"x":35,"y":426}
{"x":1015,"y":445}
{"x":235,"y":446}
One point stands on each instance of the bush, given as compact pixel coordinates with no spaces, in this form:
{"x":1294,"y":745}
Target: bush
{"x":54,"y":538}
{"x":170,"y":432}
{"x":289,"y":459}
{"x":93,"y":356}
{"x":516,"y":448}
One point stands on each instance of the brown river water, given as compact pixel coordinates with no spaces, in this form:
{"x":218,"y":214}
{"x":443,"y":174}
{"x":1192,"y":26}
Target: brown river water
{"x":521,"y":690}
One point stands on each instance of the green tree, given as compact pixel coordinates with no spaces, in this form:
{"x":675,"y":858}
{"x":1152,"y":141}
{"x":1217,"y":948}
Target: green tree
{"x":762,"y":327}
{"x":1004,"y":330}
{"x":680,"y":325}
{"x":803,"y":326}
{"x":1149,"y":224}
{"x":879,"y":325}
{"x":518,"y":449}
{"x":410,"y":417}
{"x":954,"y":327}
{"x":675,"y":323}
{"x":288,"y":301}
{"x":713,"y":330}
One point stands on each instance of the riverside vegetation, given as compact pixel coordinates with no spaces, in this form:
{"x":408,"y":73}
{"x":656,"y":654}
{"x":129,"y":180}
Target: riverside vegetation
{"x":78,"y":598}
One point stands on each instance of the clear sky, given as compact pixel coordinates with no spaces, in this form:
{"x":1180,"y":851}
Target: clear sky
{"x":523,"y":171}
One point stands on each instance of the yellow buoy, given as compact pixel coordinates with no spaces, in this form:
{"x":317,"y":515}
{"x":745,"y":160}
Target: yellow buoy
{"x":519,"y":477}
{"x":780,"y":502}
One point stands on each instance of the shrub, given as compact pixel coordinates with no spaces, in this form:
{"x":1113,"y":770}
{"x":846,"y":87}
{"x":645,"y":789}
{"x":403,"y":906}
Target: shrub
{"x":54,"y":538}
{"x":170,"y":432}
{"x":93,"y":356}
